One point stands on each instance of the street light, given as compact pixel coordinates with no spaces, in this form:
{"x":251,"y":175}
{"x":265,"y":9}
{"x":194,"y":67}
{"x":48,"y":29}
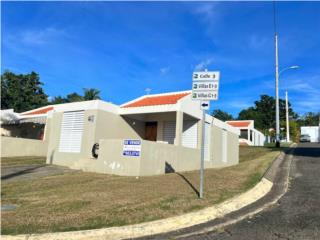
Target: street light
{"x":277,"y":104}
{"x":287,"y":68}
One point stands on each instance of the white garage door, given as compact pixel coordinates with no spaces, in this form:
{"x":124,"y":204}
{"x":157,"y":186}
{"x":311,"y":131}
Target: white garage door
{"x":169,"y":132}
{"x":71,"y":132}
{"x":207,"y":141}
{"x":190,"y":134}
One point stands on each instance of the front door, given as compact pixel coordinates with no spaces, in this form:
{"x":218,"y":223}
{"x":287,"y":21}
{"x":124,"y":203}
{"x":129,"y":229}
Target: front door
{"x":151,"y":131}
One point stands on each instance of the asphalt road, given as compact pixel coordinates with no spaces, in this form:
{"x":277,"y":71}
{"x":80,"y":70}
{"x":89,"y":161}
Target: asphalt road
{"x":297,"y":213}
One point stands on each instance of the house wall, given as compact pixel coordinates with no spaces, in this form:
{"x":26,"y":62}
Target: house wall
{"x":21,"y":147}
{"x":109,"y":129}
{"x":106,"y":125}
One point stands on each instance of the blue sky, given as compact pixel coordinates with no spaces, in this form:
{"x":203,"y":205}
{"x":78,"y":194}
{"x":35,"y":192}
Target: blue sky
{"x":123,"y":48}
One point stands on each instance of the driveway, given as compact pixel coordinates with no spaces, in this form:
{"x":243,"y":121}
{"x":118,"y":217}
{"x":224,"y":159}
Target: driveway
{"x":297,"y":213}
{"x":28,"y":172}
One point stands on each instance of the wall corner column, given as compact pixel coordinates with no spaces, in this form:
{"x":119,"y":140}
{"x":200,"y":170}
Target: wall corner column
{"x":179,"y":128}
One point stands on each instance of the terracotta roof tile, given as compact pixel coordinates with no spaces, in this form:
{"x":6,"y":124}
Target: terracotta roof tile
{"x":39,"y":111}
{"x":157,"y":100}
{"x":239,"y":123}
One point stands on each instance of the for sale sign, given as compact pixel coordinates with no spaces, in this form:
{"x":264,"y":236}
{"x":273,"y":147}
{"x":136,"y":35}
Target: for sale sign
{"x":131,"y":148}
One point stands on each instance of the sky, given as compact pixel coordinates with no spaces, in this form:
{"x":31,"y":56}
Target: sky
{"x":124,"y":48}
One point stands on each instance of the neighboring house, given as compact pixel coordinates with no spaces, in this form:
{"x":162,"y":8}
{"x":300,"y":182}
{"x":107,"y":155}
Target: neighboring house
{"x":248,"y":134}
{"x":30,"y":124}
{"x":312,"y":131}
{"x":22,"y":135}
{"x":167,"y":127}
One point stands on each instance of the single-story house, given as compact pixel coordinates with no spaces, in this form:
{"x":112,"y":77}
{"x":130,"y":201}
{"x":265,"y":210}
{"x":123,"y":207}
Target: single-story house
{"x":150,"y":135}
{"x":248,"y":134}
{"x":30,"y":124}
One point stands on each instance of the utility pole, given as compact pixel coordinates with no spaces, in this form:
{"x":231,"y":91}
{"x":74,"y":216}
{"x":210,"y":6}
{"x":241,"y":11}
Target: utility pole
{"x":277,"y":76}
{"x":287,"y":117}
{"x":277,"y":92}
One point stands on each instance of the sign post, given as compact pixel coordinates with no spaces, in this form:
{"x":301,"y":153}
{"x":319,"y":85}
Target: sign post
{"x":205,"y":86}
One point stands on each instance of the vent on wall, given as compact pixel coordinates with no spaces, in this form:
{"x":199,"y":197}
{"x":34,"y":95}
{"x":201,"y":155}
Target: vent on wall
{"x":71,"y":132}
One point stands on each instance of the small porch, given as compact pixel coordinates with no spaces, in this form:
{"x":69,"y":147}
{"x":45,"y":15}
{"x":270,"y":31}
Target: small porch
{"x":175,"y":128}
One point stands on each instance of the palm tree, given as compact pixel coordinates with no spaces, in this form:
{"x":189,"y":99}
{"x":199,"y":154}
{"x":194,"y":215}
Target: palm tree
{"x":91,"y":94}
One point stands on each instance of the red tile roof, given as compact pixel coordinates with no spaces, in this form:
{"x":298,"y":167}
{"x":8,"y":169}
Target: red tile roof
{"x":239,"y":123}
{"x":157,"y":100}
{"x":38,"y":111}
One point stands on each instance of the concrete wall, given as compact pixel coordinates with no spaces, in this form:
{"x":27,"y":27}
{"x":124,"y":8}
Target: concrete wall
{"x":177,"y":158}
{"x":153,"y":160}
{"x":19,"y":147}
{"x":217,"y":148}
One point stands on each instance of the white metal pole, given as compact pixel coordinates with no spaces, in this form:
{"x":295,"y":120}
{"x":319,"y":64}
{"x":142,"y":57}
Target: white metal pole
{"x":202,"y":154}
{"x":287,"y":117}
{"x":277,"y":93}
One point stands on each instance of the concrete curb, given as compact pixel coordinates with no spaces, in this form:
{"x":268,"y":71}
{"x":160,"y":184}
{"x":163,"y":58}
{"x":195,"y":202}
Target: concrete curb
{"x":173,"y":223}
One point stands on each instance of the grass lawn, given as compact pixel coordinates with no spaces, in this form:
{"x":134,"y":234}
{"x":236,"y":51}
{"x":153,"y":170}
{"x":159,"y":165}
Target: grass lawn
{"x":79,"y":200}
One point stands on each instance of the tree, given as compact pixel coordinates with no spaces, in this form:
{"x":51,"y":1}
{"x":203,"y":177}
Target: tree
{"x":74,"y":97}
{"x":310,"y":119}
{"x":221,"y":115}
{"x":91,"y":94}
{"x":22,"y":92}
{"x":59,"y":100}
{"x":263,"y":112}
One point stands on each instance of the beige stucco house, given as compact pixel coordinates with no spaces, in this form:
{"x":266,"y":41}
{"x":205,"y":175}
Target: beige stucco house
{"x":150,"y":135}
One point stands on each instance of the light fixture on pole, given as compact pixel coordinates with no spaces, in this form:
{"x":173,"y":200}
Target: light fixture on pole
{"x":287,"y":103}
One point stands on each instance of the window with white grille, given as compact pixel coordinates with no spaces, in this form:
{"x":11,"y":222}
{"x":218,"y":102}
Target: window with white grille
{"x":71,"y":132}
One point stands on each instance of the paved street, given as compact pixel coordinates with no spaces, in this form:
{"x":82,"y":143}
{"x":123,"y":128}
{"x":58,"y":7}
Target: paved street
{"x":297,"y":214}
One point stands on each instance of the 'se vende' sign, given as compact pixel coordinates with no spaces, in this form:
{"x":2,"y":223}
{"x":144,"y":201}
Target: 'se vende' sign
{"x":131,"y":148}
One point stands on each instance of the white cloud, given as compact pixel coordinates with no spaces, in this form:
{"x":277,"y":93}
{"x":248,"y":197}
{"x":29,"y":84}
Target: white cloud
{"x":42,"y":36}
{"x":35,"y":37}
{"x":203,"y":64}
{"x":164,"y":70}
{"x":207,"y":11}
